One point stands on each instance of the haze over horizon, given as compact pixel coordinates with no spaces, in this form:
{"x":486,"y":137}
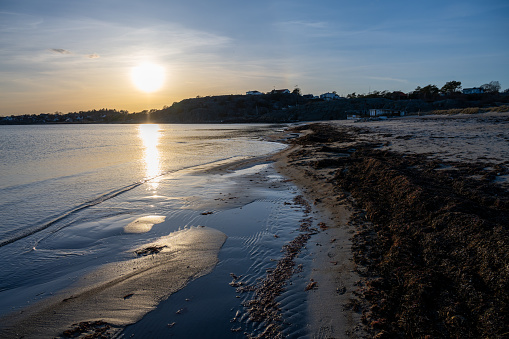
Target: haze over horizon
{"x":79,"y":55}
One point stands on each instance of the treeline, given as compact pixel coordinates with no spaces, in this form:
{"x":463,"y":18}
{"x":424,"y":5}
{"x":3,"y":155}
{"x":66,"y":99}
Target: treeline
{"x":432,"y":92}
{"x":284,"y":107}
{"x":104,"y":115}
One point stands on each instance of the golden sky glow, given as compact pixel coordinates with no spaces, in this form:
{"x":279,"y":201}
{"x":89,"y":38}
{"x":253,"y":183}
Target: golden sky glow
{"x":79,"y":55}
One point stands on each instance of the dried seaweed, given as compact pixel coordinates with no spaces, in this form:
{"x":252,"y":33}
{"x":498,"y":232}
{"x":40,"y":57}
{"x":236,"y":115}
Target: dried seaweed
{"x":432,"y":245}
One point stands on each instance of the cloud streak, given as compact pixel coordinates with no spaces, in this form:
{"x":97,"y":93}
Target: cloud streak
{"x":60,"y":51}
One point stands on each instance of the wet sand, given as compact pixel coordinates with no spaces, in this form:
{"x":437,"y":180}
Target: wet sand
{"x":333,"y":270}
{"x":258,"y":288}
{"x":121,"y":293}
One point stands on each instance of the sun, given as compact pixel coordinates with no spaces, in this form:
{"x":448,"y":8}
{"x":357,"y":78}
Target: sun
{"x":148,"y":77}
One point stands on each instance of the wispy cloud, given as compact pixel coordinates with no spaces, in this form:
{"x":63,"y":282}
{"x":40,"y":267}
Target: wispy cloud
{"x":60,"y":51}
{"x":67,"y":52}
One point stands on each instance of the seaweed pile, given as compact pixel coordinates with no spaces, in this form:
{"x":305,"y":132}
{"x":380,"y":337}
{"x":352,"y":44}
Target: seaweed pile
{"x":264,"y":307}
{"x":432,"y":239}
{"x":89,"y":329}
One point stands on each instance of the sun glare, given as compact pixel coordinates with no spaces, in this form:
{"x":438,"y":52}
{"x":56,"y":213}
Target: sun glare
{"x":148,"y":77}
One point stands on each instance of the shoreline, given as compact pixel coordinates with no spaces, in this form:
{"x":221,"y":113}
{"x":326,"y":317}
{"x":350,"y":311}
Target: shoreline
{"x":332,"y":269}
{"x":430,"y":241}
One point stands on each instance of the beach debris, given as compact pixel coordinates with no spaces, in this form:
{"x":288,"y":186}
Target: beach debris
{"x":312,"y":285}
{"x":170,"y":325}
{"x":238,"y":329}
{"x":69,"y":298}
{"x":235,"y":283}
{"x":322,"y":226}
{"x":300,"y":200}
{"x":341,"y":290}
{"x":88,"y":329}
{"x":128,"y":296}
{"x":181,"y":310}
{"x":207,"y":213}
{"x":149,"y":250}
{"x":236,"y":317}
{"x":264,"y":307}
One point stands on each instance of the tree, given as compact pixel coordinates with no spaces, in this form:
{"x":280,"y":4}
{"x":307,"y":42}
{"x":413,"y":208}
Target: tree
{"x":426,"y":92}
{"x":297,"y":91}
{"x":451,"y":87}
{"x":492,"y":87}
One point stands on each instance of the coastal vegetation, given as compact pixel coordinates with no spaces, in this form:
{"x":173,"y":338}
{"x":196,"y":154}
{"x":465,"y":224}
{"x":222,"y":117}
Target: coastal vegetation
{"x":286,"y":106}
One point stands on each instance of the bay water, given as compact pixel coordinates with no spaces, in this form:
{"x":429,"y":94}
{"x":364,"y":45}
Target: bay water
{"x":68,"y":191}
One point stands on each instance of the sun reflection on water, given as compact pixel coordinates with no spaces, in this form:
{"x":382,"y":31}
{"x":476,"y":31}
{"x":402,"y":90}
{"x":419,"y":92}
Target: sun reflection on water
{"x":149,"y":135}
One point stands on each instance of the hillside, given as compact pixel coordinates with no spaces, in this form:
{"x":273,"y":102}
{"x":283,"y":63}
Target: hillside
{"x":265,"y":108}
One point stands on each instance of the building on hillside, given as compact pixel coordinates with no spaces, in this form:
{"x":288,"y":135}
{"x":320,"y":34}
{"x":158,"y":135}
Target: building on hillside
{"x":377,"y":112}
{"x":473,"y":90}
{"x":329,"y":96}
{"x":253,"y":93}
{"x":280,"y":91}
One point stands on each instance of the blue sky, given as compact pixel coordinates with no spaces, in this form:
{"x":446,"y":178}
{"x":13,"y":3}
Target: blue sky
{"x":76,"y":55}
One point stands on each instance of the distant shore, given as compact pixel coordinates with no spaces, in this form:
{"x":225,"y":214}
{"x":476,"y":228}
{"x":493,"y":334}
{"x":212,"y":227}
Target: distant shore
{"x":428,"y":227}
{"x":275,"y":108}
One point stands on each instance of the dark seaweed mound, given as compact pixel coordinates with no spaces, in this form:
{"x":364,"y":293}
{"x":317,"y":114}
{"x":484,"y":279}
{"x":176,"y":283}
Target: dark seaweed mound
{"x":431,"y":242}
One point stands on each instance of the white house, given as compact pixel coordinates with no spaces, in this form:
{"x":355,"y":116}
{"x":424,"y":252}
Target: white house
{"x":329,"y":96}
{"x":253,"y":93}
{"x":280,"y":91}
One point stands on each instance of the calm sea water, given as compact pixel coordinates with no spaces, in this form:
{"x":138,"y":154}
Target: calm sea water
{"x":49,"y":172}
{"x":66,"y":190}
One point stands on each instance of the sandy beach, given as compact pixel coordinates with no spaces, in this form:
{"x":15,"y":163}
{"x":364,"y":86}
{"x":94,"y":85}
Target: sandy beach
{"x":428,"y":224}
{"x":385,"y":229}
{"x":382,"y":241}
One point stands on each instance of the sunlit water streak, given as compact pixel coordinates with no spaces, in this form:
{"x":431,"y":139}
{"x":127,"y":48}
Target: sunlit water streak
{"x":150,"y":135}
